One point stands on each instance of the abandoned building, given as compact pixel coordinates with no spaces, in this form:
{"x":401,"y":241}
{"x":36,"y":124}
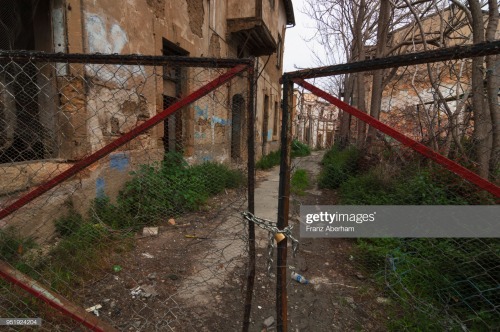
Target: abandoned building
{"x":50,"y":116}
{"x":314,"y":120}
{"x":421,"y":100}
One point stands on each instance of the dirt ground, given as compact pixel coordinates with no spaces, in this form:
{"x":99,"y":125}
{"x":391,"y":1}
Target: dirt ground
{"x":191,"y":277}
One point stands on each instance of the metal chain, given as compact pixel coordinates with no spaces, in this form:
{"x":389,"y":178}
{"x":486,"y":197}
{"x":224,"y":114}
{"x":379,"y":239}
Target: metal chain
{"x":272,"y":229}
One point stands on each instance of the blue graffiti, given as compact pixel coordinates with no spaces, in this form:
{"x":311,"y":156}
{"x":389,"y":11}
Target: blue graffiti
{"x":100,"y":185}
{"x":119,"y":161}
{"x":201,"y":112}
{"x":221,"y":121}
{"x":207,"y":158}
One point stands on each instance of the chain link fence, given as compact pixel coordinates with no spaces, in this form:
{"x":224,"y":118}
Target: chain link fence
{"x":138,"y":219}
{"x":431,"y":284}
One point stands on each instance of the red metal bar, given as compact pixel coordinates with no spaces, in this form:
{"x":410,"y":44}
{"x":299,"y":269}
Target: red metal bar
{"x":420,"y":148}
{"x":54,"y":300}
{"x":204,"y":90}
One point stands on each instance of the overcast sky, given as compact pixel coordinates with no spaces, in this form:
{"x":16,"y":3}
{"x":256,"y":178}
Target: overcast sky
{"x":297,"y":51}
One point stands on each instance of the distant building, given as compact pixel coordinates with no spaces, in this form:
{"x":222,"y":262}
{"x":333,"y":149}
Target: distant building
{"x":314,"y":120}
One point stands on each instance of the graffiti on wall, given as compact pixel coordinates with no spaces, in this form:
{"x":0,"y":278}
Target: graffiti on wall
{"x":105,"y":39}
{"x":203,"y":117}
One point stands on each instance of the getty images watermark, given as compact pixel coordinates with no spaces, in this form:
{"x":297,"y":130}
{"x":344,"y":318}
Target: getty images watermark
{"x":399,"y":221}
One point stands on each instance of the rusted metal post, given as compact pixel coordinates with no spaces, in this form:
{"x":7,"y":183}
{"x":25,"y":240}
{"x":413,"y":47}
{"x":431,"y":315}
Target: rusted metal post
{"x":251,"y":197}
{"x":53,"y":299}
{"x":284,"y":206}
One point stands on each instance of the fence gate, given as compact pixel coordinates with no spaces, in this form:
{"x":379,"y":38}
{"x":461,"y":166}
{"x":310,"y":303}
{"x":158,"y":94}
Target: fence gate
{"x":443,"y":283}
{"x":122,"y":187}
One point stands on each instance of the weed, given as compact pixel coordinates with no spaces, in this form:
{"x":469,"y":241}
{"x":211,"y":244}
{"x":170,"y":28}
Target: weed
{"x":171,"y":188}
{"x":299,"y":149}
{"x":69,"y":224}
{"x":272,"y":159}
{"x":13,"y":246}
{"x":269,"y":160}
{"x":299,"y":182}
{"x":76,"y":256}
{"x":103,"y":211}
{"x":445,"y":274}
{"x":365,"y":189}
{"x":338,"y":166}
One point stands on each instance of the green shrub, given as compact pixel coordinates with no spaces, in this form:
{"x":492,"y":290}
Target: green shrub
{"x":69,"y":223}
{"x":269,"y":160}
{"x":438,"y":272}
{"x":216,"y":177}
{"x":171,"y":188}
{"x":159,"y":190}
{"x":299,"y":182}
{"x":299,"y":149}
{"x":13,"y":245}
{"x":365,"y":189}
{"x":338,"y":166}
{"x":103,"y":211}
{"x":420,"y":189}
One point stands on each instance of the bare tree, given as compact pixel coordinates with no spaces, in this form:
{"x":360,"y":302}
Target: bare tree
{"x":492,"y":84}
{"x":378,"y":75}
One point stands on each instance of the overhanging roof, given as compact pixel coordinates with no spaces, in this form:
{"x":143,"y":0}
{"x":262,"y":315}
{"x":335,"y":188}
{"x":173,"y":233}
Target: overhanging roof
{"x":290,"y":17}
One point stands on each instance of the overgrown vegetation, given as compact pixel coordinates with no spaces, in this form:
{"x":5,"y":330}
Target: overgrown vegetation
{"x":298,"y":149}
{"x":153,"y":193}
{"x":13,"y":245}
{"x":413,"y":184}
{"x":299,"y":182}
{"x":338,"y":166}
{"x":438,"y":272}
{"x":454,"y":273}
{"x":269,"y":160}
{"x":172,"y":187}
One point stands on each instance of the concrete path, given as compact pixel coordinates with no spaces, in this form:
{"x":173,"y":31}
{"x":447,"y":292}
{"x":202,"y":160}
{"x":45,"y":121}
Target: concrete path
{"x":266,"y":192}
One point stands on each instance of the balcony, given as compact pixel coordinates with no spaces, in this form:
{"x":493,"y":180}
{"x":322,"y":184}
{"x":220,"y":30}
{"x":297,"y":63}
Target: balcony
{"x":254,"y":34}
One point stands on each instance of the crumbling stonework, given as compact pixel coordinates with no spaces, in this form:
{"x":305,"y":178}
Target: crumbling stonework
{"x":73,"y":119}
{"x":196,"y":16}
{"x":158,"y":7}
{"x":214,"y":47}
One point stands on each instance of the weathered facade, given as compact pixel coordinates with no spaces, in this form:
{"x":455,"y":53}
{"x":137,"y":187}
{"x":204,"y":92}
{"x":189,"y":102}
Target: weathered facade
{"x":420,"y":100}
{"x":315,"y":121}
{"x":73,"y":124}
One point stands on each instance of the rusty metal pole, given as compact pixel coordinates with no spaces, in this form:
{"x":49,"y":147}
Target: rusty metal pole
{"x":53,"y":299}
{"x":284,"y":206}
{"x":251,"y":197}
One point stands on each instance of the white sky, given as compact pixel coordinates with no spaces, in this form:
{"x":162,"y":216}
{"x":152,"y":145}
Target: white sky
{"x":298,"y":52}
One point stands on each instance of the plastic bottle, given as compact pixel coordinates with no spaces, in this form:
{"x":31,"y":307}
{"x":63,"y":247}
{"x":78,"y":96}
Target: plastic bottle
{"x":297,"y":277}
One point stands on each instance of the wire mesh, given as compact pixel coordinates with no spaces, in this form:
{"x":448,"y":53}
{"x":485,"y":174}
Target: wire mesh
{"x":421,"y":283}
{"x":148,"y":238}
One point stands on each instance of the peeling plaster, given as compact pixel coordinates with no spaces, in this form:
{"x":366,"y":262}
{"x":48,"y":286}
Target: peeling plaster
{"x":100,"y":39}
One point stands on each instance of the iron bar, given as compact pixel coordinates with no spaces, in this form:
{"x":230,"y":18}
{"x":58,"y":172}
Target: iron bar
{"x":443,"y":54}
{"x":251,"y":198}
{"x":283,"y":208}
{"x":128,"y":59}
